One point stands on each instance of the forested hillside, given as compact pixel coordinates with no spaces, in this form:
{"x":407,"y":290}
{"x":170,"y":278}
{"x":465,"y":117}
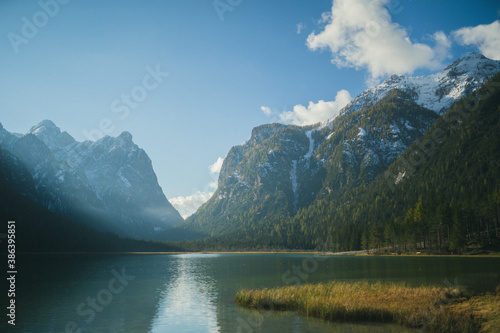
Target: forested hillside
{"x":441,"y":194}
{"x":284,"y":169}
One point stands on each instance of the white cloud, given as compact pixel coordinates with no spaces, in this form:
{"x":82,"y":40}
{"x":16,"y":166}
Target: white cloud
{"x":189,"y":205}
{"x":485,"y":37}
{"x":443,"y":45}
{"x":213,"y":185}
{"x":361,"y":34}
{"x":267,"y":111}
{"x":316,"y":112}
{"x":215,"y":168}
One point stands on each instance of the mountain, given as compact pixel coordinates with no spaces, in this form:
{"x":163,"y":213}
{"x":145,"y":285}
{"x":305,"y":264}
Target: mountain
{"x":437,"y":92}
{"x":441,"y":194}
{"x":283,"y":170}
{"x":108,"y":184}
{"x":46,"y":231}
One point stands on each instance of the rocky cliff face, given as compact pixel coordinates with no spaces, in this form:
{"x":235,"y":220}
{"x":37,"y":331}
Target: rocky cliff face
{"x":282,"y":169}
{"x":109,"y":184}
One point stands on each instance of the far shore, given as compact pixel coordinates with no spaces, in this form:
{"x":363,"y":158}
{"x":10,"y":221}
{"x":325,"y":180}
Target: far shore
{"x":361,"y":253}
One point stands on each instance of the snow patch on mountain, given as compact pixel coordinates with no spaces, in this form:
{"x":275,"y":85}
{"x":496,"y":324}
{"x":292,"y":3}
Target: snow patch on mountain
{"x":435,"y":92}
{"x":311,"y":145}
{"x":123,"y":179}
{"x":111,"y":177}
{"x":361,"y":132}
{"x":395,"y":129}
{"x":408,"y":126}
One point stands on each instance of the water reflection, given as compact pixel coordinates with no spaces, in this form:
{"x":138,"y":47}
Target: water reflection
{"x":194,"y":293}
{"x":189,"y":299}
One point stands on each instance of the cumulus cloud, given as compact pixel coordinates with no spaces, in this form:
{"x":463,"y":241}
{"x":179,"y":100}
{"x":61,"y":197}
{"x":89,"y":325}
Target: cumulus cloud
{"x":215,"y":168}
{"x":361,"y":34}
{"x":485,"y":37}
{"x":190,"y":204}
{"x":316,"y":112}
{"x":267,"y":111}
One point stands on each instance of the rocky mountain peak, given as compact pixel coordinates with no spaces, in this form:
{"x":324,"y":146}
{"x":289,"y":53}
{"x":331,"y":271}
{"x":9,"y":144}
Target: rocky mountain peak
{"x":125,"y":140}
{"x":263,"y":132}
{"x":45,"y":126}
{"x":436,"y":92}
{"x":125,"y":136}
{"x":111,"y":180}
{"x":470,"y":58}
{"x":393,"y":79}
{"x":51,"y":135}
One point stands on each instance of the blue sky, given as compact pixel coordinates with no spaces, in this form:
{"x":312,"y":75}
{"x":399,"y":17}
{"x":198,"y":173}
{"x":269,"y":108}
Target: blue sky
{"x":200,"y":74}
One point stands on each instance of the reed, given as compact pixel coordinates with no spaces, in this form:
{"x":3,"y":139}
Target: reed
{"x":436,"y":309}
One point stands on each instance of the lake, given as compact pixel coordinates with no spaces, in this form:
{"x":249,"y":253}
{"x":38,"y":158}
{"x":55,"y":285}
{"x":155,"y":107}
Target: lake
{"x":194,"y":292}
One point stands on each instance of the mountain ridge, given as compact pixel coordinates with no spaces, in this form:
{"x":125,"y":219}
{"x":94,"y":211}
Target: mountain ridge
{"x":268,"y":178}
{"x":437,"y":91}
{"x":111,"y":180}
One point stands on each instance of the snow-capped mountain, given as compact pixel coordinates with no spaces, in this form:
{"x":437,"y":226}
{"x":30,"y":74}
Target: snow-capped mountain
{"x":283,"y":169}
{"x":110,"y":184}
{"x":435,"y":92}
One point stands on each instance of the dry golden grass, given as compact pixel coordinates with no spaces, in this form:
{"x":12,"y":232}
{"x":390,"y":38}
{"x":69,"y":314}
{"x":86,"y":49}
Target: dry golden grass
{"x":434,"y":308}
{"x":485,"y":309}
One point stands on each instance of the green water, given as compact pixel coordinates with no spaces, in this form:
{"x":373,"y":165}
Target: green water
{"x":194,"y":292}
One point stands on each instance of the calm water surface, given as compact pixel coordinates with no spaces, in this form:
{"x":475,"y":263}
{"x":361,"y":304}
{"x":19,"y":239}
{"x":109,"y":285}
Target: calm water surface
{"x":195,"y":292}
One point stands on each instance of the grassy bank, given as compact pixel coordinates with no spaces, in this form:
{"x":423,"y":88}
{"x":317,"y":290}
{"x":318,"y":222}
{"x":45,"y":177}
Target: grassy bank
{"x":436,"y":309}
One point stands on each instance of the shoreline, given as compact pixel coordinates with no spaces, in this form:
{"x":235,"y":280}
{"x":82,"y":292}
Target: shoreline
{"x":361,"y":253}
